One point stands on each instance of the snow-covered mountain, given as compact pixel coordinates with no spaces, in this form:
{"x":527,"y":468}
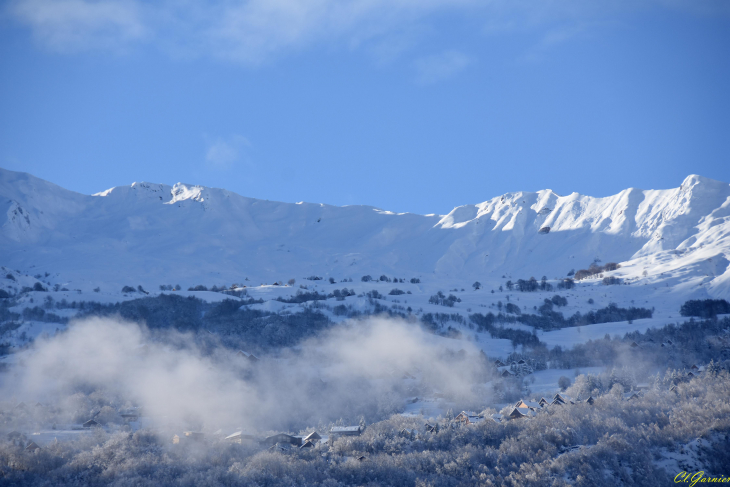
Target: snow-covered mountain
{"x":153,"y":234}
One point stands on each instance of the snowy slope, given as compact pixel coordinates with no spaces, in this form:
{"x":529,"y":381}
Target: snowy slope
{"x":154,"y":234}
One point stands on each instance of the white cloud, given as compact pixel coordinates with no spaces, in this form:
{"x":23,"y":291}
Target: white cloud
{"x":255,"y":31}
{"x":222,"y":153}
{"x":439,"y":67}
{"x":72,"y":25}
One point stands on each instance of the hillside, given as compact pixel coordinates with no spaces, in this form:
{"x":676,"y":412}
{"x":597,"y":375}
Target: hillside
{"x":151,"y":234}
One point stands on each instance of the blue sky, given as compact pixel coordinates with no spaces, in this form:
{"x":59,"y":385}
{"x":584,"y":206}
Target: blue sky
{"x":405,"y":105}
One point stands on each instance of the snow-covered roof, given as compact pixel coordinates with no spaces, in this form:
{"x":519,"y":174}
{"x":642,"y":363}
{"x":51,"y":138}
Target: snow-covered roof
{"x":344,"y":429}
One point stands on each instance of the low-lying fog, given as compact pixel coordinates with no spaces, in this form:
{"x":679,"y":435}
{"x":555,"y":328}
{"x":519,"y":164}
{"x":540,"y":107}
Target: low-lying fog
{"x":362,"y":368}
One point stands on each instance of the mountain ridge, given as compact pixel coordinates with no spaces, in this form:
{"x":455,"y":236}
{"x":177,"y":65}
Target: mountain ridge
{"x":193,"y":233}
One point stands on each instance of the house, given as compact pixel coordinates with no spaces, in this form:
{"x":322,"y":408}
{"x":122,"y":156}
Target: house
{"x":563,"y":399}
{"x":432,"y":428}
{"x":406,"y":433}
{"x":497,"y":418}
{"x":521,"y":362}
{"x":91,"y":424}
{"x":239,"y":437}
{"x":468,"y":417}
{"x":520,"y":413}
{"x":499,"y":363}
{"x":313,"y":436}
{"x":590,"y":400}
{"x":630,"y":396}
{"x":346,"y":430}
{"x":307,"y":444}
{"x":543,"y":402}
{"x":506,"y":373}
{"x":529,"y":405}
{"x":284,"y":439}
{"x":32,"y":446}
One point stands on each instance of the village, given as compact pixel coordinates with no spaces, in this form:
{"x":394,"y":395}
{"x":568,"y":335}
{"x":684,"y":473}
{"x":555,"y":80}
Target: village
{"x":133,"y":419}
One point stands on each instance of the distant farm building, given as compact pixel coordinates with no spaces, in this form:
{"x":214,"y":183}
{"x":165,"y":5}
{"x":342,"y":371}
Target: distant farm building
{"x":468,"y":417}
{"x":313,"y":436}
{"x":283,"y":438}
{"x":239,"y":437}
{"x":32,"y":446}
{"x":346,"y":430}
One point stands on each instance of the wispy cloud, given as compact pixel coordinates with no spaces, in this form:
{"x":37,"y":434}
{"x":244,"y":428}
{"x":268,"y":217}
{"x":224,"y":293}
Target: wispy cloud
{"x":254,"y":31}
{"x":222,"y":153}
{"x":441,"y":66}
{"x":73,"y":25}
{"x":552,"y":39}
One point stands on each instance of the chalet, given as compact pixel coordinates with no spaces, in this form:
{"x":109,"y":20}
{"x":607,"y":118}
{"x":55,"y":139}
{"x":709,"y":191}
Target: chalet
{"x":543,"y":402}
{"x":283,"y":438}
{"x":307,"y":444}
{"x":432,"y":428}
{"x":468,"y":417}
{"x":590,"y":400}
{"x":32,"y":446}
{"x":313,"y":436}
{"x":406,"y":433}
{"x":521,"y":362}
{"x":521,"y":413}
{"x":346,"y":430}
{"x":91,"y":424}
{"x":630,"y":396}
{"x":499,"y":363}
{"x":497,"y":418}
{"x":694,"y":367}
{"x":506,"y":373}
{"x":690,"y":374}
{"x":529,"y":405}
{"x":563,"y":399}
{"x":239,"y":437}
